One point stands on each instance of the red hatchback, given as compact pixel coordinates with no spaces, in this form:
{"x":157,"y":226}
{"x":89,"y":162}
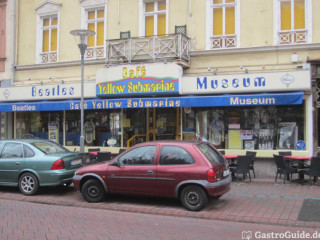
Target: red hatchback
{"x":190,"y":171}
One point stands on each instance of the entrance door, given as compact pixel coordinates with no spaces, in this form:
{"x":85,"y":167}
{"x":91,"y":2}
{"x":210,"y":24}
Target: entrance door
{"x":163,"y":124}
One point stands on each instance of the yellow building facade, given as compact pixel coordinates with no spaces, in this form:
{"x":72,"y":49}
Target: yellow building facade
{"x":249,"y":65}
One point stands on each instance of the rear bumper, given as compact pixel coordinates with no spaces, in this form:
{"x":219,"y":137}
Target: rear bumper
{"x":56,"y":177}
{"x":219,"y":189}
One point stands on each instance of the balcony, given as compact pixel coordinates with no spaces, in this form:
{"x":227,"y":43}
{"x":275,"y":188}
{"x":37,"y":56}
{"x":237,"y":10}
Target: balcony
{"x":175,"y":47}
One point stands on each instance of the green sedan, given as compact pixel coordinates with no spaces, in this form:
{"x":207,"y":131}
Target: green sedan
{"x":32,"y":163}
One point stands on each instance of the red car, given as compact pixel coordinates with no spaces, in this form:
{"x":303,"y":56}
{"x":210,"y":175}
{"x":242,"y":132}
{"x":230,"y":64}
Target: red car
{"x":190,"y":171}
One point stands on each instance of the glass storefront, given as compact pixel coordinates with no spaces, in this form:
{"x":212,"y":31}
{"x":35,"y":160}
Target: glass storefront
{"x":256,"y":128}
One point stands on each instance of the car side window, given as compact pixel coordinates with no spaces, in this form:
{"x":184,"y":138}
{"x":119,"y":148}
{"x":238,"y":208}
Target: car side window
{"x":174,"y":155}
{"x":28,"y":152}
{"x":12,"y":150}
{"x":139,"y":156}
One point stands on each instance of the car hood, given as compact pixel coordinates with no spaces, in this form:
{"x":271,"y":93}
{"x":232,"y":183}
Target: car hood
{"x":93,"y":168}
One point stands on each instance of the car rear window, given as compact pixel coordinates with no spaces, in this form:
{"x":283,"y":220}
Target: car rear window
{"x":211,"y":154}
{"x":50,"y":147}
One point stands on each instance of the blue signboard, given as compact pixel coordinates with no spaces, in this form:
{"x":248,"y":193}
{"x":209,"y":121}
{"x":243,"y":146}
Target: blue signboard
{"x":163,"y":102}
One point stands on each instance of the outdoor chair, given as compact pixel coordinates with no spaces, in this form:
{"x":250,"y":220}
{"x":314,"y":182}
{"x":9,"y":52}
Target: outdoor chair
{"x":243,"y":167}
{"x":253,"y":157}
{"x":122,"y":150}
{"x":222,"y":152}
{"x":284,"y":167}
{"x":313,"y":170}
{"x":103,"y":156}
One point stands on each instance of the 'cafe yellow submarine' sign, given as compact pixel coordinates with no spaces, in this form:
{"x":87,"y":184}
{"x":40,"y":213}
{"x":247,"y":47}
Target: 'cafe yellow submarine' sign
{"x":136,"y":80}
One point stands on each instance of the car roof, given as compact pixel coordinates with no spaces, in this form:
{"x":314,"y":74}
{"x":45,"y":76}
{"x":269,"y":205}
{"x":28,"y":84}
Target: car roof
{"x":25,"y":140}
{"x":179,"y":142}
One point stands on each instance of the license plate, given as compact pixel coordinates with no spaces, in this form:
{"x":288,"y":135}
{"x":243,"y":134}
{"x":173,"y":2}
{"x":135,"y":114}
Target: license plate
{"x":75,"y":162}
{"x":226,"y":173}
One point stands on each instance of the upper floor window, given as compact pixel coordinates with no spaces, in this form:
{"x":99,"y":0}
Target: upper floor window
{"x":155,"y":17}
{"x":294,"y":26}
{"x":95,"y":22}
{"x":48,"y":32}
{"x":93,"y":17}
{"x":222,"y":23}
{"x":49,"y":39}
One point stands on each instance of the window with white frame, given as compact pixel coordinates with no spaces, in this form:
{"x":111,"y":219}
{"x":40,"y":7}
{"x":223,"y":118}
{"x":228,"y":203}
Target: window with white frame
{"x":223,"y":23}
{"x":95,"y":21}
{"x":294,"y":26}
{"x":47,"y":32}
{"x":155,"y":17}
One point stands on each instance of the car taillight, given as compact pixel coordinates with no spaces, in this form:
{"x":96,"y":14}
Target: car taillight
{"x":59,"y":164}
{"x":212,"y":176}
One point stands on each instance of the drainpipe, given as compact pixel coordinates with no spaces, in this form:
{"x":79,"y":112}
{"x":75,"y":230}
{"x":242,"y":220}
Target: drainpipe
{"x":13,"y":41}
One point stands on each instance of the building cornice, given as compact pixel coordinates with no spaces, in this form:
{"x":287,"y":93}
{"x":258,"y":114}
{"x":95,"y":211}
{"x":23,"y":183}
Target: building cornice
{"x":302,"y":47}
{"x":58,"y":65}
{"x":225,"y":51}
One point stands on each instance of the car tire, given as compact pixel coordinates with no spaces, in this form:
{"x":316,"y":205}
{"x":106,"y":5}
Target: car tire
{"x":193,"y":198}
{"x":93,"y":191}
{"x":28,"y":184}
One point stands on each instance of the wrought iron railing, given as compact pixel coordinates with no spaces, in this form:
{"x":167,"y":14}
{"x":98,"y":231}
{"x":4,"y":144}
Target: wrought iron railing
{"x":155,"y":48}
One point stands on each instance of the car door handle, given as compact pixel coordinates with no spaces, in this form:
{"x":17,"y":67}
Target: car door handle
{"x":17,"y":163}
{"x":149,"y":172}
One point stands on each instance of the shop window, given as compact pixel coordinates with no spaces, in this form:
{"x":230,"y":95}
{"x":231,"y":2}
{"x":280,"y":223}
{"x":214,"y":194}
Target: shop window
{"x":223,"y":23}
{"x":101,"y":128}
{"x":155,"y":17}
{"x":43,"y":125}
{"x":256,"y":128}
{"x":134,"y":126}
{"x":294,"y":25}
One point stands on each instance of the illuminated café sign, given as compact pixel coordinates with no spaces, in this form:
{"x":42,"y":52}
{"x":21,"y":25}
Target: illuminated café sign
{"x":135,"y":80}
{"x":242,"y":83}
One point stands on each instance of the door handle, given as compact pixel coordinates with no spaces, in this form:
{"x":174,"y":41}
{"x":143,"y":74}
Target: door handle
{"x":17,"y":163}
{"x":149,"y":172}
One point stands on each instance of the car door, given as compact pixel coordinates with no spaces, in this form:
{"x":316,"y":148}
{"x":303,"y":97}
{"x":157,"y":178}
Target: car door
{"x":11,"y":162}
{"x":135,"y":173}
{"x":175,"y":166}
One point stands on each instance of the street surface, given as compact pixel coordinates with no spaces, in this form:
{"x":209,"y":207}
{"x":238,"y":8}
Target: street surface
{"x":257,"y":210}
{"x":33,"y":221}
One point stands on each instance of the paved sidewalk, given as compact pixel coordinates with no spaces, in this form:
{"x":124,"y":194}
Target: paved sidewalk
{"x":261,"y":201}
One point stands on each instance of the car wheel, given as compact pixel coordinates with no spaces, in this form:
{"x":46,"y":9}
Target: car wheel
{"x":193,"y":198}
{"x":28,"y":184}
{"x":93,"y":191}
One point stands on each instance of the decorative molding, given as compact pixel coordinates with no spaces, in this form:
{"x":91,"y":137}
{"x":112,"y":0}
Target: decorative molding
{"x":92,"y":3}
{"x":48,"y":7}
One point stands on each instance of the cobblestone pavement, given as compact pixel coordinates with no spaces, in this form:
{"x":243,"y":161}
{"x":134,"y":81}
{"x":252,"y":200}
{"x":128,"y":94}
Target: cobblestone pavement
{"x":22,"y":220}
{"x":261,"y":201}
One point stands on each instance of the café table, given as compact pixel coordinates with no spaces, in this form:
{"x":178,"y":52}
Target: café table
{"x":300,"y":160}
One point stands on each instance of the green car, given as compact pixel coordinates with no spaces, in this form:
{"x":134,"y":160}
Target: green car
{"x":33,"y":163}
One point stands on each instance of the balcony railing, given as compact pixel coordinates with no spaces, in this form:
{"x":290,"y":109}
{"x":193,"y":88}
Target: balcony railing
{"x":224,"y":41}
{"x":49,"y":57}
{"x":155,"y":48}
{"x":293,"y":37}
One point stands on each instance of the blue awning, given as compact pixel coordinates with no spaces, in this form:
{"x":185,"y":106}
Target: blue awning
{"x":265,"y":99}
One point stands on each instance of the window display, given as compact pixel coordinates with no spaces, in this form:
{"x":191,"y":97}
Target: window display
{"x":256,"y":128}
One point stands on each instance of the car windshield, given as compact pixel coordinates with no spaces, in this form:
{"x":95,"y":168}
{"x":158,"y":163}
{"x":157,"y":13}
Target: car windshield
{"x":211,"y":154}
{"x":50,"y":147}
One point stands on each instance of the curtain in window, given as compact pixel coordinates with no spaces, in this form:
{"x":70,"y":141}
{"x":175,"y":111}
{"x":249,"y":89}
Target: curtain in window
{"x":298,"y":7}
{"x":49,"y":34}
{"x":223,"y":18}
{"x":155,"y":18}
{"x":96,"y":24}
